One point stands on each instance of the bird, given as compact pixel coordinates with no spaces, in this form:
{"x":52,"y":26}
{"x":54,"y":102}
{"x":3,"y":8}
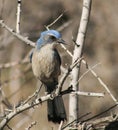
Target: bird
{"x":46,"y":63}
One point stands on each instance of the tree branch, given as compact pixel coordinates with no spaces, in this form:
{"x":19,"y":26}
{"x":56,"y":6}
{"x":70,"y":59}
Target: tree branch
{"x":18,"y":16}
{"x":78,"y":50}
{"x":20,"y":37}
{"x":26,"y":105}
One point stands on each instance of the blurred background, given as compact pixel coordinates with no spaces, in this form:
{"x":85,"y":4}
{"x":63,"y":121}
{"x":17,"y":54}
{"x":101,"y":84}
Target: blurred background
{"x":101,"y":45}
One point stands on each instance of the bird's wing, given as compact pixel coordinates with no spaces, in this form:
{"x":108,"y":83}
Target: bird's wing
{"x":30,"y":55}
{"x":57,"y":56}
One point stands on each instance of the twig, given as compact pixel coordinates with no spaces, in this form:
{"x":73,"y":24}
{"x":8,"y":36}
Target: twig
{"x":76,"y":120}
{"x":103,"y":84}
{"x":18,"y":16}
{"x":31,"y":125}
{"x":95,"y":75}
{"x":48,"y":26}
{"x":94,"y":122}
{"x":22,"y":108}
{"x":100,"y":123}
{"x":9,"y":127}
{"x":37,"y":101}
{"x":60,"y":125}
{"x":101,"y":113}
{"x":11,"y":64}
{"x":33,"y":95}
{"x":20,"y":37}
{"x":88,"y":94}
{"x":26,"y":40}
{"x":66,"y":50}
{"x":65,"y":75}
{"x":65,"y":25}
{"x":81,"y":77}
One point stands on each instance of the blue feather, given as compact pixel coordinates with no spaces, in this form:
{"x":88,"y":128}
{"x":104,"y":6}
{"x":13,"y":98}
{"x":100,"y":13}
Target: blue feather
{"x":42,"y":40}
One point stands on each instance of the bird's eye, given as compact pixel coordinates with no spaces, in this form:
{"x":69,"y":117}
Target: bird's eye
{"x":53,"y":38}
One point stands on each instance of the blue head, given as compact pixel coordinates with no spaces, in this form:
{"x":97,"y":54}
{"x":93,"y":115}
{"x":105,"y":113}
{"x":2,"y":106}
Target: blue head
{"x":48,"y":37}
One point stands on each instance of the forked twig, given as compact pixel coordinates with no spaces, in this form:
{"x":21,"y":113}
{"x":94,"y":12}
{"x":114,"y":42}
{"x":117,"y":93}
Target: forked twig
{"x":81,"y":77}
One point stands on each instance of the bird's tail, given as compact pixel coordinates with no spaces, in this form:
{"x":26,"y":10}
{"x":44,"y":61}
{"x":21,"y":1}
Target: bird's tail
{"x":56,"y":110}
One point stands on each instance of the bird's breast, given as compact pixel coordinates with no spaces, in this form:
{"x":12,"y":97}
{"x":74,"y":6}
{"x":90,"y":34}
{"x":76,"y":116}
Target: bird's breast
{"x":45,"y":64}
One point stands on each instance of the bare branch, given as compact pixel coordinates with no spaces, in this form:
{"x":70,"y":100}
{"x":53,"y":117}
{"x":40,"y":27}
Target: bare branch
{"x":100,"y":123}
{"x":60,"y":125}
{"x":90,"y":122}
{"x":26,"y":40}
{"x":65,"y":75}
{"x":26,"y":105}
{"x":70,"y":124}
{"x":31,"y":125}
{"x":22,"y":108}
{"x":102,"y":83}
{"x":78,"y":51}
{"x":35,"y":94}
{"x":88,"y":94}
{"x":18,"y":16}
{"x":11,"y":64}
{"x":48,"y":26}
{"x":9,"y":127}
{"x":65,"y":25}
{"x":81,"y":77}
{"x":95,"y":74}
{"x":20,"y":37}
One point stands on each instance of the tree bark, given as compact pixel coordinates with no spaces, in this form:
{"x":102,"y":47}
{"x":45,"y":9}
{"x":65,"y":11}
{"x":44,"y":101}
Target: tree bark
{"x":78,"y":50}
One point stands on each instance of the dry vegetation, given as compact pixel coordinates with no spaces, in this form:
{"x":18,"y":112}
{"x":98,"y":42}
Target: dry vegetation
{"x":18,"y":82}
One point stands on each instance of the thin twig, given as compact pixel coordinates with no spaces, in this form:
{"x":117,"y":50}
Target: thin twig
{"x":81,"y":77}
{"x":68,"y":52}
{"x":92,"y":94}
{"x":65,"y":25}
{"x":12,"y":64}
{"x":20,"y":37}
{"x":31,"y":125}
{"x":33,"y":95}
{"x":95,"y":75}
{"x":101,"y":113}
{"x":90,"y":120}
{"x":9,"y":127}
{"x":60,"y":125}
{"x":65,"y":75}
{"x":18,"y":16}
{"x":99,"y":124}
{"x":37,"y":101}
{"x":103,"y":84}
{"x":48,"y":26}
{"x":69,"y":124}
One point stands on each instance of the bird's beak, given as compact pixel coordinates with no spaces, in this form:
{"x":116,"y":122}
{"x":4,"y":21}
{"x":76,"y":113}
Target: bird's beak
{"x":60,"y":40}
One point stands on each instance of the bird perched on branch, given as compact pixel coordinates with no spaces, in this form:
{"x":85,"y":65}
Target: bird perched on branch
{"x":46,"y":64}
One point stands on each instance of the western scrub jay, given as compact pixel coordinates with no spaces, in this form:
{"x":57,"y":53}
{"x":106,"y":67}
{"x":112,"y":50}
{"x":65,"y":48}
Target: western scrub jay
{"x":46,"y":64}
